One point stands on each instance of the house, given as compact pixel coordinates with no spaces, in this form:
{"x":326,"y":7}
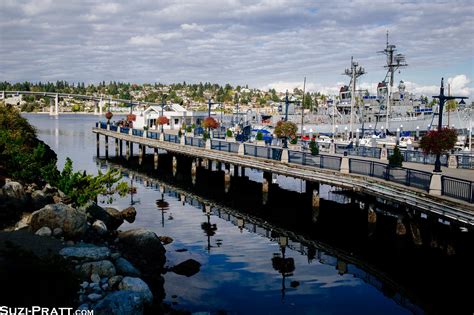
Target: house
{"x":176,"y":114}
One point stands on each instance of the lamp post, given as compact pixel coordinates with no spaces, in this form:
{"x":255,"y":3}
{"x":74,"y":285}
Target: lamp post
{"x":442,"y":99}
{"x":163,"y":102}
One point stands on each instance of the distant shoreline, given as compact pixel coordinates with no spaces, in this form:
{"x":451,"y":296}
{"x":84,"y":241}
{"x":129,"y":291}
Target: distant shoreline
{"x":74,"y":113}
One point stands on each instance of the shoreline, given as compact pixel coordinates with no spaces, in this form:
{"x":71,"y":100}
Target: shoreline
{"x":73,"y":113}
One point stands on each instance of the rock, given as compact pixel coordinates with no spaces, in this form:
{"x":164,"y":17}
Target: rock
{"x":137,"y":285}
{"x":14,"y":190}
{"x":114,"y":282}
{"x":110,"y":216}
{"x":83,"y":307}
{"x":165,"y":240}
{"x":99,"y":227}
{"x":71,"y":221}
{"x":85,"y":252}
{"x":48,"y":189}
{"x":104,"y":268}
{"x":24,"y":222}
{"x":128,"y":214}
{"x":70,"y":243}
{"x":121,"y":303}
{"x":44,"y":231}
{"x":95,"y":278}
{"x":125,"y":268}
{"x":84,"y":284}
{"x":39,"y":199}
{"x":187,"y":268}
{"x":57,"y":199}
{"x":57,"y":232}
{"x":115,"y":256}
{"x":144,"y":249}
{"x":105,"y":287}
{"x":94,"y":297}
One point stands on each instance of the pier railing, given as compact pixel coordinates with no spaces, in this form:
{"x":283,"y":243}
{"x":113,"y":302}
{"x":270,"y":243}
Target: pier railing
{"x":401,"y":175}
{"x":451,"y":187}
{"x":371,"y":152}
{"x":420,"y":157}
{"x":457,"y":188}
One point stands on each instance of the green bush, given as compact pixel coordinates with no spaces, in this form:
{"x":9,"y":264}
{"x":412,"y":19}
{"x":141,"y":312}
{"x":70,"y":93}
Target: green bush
{"x":294,"y":140}
{"x":228,"y":133}
{"x":189,"y":129}
{"x":396,"y":159}
{"x":313,"y":146}
{"x":193,"y":126}
{"x":259,"y":136}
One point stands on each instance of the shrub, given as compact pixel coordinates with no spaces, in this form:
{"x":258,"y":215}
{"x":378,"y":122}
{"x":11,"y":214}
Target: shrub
{"x":189,"y":129}
{"x":313,"y":146}
{"x":193,"y":126}
{"x":180,"y":133}
{"x":438,"y":141}
{"x":228,"y":133}
{"x":396,"y":159}
{"x":259,"y":136}
{"x":210,"y":123}
{"x":293,"y":140}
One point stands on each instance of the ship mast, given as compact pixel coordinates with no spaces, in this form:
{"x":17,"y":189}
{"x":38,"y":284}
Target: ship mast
{"x":354,"y":72}
{"x":394,"y":62}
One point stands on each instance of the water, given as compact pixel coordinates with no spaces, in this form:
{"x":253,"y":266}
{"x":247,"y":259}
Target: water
{"x":336,"y":262}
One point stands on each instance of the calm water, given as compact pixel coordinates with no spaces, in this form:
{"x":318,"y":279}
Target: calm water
{"x":336,"y":262}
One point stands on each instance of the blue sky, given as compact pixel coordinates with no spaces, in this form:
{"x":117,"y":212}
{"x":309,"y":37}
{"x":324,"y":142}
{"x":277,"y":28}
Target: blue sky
{"x":266,"y":43}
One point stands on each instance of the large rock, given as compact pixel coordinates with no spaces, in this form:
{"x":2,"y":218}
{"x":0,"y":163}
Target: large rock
{"x":39,"y":199}
{"x":129,"y":214}
{"x":49,"y":190}
{"x":15,"y":190}
{"x":44,"y":231}
{"x":121,"y":303}
{"x":125,"y":268}
{"x":114,"y":282}
{"x":99,"y":227}
{"x":137,"y":285}
{"x":143,"y":248}
{"x":85,"y":252}
{"x":104,"y":268}
{"x":110,"y":216}
{"x":71,"y":221}
{"x":187,"y":268}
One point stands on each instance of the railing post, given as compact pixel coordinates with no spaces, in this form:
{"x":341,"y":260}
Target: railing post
{"x":384,"y":153}
{"x":345,"y":164}
{"x":241,"y":150}
{"x":145,"y":133}
{"x":183,"y":140}
{"x":284,"y":156}
{"x":208,"y":144}
{"x":436,"y":185}
{"x":408,"y":179}
{"x":130,"y":131}
{"x":118,"y":129}
{"x":452,"y":161}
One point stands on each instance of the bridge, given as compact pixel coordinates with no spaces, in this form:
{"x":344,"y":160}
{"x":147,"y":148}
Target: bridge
{"x":436,"y":193}
{"x":100,"y":101}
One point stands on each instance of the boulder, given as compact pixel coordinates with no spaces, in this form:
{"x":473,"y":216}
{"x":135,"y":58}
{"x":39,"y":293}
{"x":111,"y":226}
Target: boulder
{"x":187,"y":268}
{"x":104,"y":268}
{"x":99,"y":227}
{"x":94,"y":297}
{"x":14,"y":190}
{"x":57,"y":232}
{"x":49,"y":190}
{"x":137,"y":285}
{"x":125,"y":268}
{"x":71,"y":221}
{"x":121,"y":303}
{"x":44,"y":231}
{"x":114,"y":282}
{"x":85,"y":252}
{"x":95,"y":278}
{"x":39,"y":199}
{"x":24,"y":222}
{"x":110,"y":216}
{"x":144,"y":249}
{"x":129,"y":214}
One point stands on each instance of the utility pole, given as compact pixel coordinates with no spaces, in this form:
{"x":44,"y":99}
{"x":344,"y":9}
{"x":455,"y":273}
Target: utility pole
{"x":354,"y":72}
{"x":302,"y":107}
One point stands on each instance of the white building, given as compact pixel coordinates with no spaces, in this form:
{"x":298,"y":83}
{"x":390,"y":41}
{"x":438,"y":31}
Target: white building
{"x":176,"y":114}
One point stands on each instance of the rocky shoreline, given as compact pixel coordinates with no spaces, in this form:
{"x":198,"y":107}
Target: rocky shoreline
{"x":116,"y":272}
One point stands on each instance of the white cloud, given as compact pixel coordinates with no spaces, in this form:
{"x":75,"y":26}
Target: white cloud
{"x":459,"y":85}
{"x":192,"y":27}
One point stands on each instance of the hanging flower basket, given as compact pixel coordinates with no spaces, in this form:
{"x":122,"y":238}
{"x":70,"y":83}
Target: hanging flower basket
{"x":210,"y":123}
{"x":131,"y":117}
{"x":109,"y":115}
{"x":163,"y":120}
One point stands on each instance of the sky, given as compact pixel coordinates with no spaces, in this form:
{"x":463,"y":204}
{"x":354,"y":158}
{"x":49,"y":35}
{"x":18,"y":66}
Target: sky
{"x":262,"y":43}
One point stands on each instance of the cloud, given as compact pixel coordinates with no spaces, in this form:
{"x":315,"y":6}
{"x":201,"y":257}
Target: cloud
{"x":259,"y":43}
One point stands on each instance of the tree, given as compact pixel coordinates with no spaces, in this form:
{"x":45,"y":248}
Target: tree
{"x":439,"y":141}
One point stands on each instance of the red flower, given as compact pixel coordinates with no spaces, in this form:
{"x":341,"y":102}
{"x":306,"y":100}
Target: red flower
{"x":438,"y":141}
{"x":109,"y":115}
{"x":131,"y":117}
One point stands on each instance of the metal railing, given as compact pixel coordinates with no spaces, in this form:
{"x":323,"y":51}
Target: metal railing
{"x":465,"y":160}
{"x":171,"y":138}
{"x":153,"y":135}
{"x":457,"y":188}
{"x":320,"y":161}
{"x":125,"y":130}
{"x":225,"y":146}
{"x":420,"y":157}
{"x":263,"y":152}
{"x":195,"y":142}
{"x":401,"y":175}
